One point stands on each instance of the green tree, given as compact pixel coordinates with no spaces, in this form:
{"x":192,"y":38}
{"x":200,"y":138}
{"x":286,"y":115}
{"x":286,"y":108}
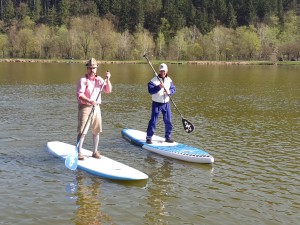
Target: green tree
{"x":165,"y":29}
{"x":26,"y":41}
{"x":290,"y":31}
{"x":84,"y":29}
{"x":106,"y":39}
{"x":290,"y":49}
{"x":248,"y":42}
{"x":217,"y":38}
{"x":188,"y":11}
{"x":268,"y":39}
{"x":115,"y":7}
{"x":220,"y":10}
{"x":103,"y":7}
{"x":8,"y":12}
{"x":124,"y":21}
{"x":202,"y":21}
{"x":13,"y":40}
{"x":196,"y":51}
{"x":222,"y":39}
{"x":26,"y":22}
{"x":51,"y":17}
{"x":43,"y":38}
{"x":75,"y":8}
{"x":64,"y":12}
{"x":35,"y":7}
{"x":251,"y":12}
{"x":280,"y":13}
{"x":65,"y":42}
{"x":208,"y":49}
{"x":124,"y":46}
{"x":21,"y":11}
{"x":143,"y":43}
{"x":173,"y":15}
{"x":3,"y":44}
{"x":179,"y":45}
{"x":231,"y":21}
{"x":161,"y":48}
{"x":88,"y":8}
{"x":242,"y":12}
{"x":152,"y":15}
{"x":263,"y":9}
{"x":136,"y":15}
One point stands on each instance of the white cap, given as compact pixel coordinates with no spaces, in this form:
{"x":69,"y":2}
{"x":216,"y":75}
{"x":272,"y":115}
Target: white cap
{"x":163,"y":67}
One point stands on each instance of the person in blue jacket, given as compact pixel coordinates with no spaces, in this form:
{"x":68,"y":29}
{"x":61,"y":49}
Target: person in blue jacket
{"x":160,"y":88}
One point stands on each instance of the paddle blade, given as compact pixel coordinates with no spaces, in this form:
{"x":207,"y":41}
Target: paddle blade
{"x":72,"y":160}
{"x":187,"y":125}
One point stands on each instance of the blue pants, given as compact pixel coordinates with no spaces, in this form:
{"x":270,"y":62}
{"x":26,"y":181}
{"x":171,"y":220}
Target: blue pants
{"x":165,"y":109}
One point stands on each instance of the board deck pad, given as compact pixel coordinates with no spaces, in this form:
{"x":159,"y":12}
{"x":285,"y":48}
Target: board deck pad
{"x":103,"y":167}
{"x":173,"y":150}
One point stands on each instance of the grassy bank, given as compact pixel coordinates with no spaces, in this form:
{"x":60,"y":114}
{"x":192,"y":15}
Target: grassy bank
{"x":155,"y":62}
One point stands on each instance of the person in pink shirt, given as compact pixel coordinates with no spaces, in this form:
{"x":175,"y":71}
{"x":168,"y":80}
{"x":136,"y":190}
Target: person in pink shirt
{"x":88,"y":88}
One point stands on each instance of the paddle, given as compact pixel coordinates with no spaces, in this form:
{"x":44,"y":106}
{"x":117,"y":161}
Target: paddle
{"x":187,"y":125}
{"x":72,"y":159}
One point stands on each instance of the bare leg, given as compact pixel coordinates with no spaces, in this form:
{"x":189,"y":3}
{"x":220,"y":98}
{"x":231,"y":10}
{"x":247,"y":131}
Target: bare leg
{"x":96,"y":142}
{"x":81,"y":142}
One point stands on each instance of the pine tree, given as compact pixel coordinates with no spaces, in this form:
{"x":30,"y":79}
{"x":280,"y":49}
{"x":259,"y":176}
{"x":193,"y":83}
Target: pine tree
{"x":35,"y":7}
{"x":8,"y":11}
{"x":64,"y":12}
{"x":231,"y":17}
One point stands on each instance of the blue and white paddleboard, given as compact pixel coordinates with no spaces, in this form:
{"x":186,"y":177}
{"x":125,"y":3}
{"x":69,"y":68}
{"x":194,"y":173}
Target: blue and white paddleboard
{"x":103,"y":167}
{"x":174,"y":150}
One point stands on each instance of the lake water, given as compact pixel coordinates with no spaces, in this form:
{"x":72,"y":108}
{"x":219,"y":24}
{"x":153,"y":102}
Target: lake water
{"x":246,"y":117}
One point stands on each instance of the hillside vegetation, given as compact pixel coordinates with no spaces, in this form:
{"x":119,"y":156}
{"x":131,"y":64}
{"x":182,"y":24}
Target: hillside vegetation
{"x":221,"y":30}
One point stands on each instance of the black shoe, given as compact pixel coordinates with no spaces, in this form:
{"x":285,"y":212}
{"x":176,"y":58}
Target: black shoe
{"x":169,"y":141}
{"x":148,"y":141}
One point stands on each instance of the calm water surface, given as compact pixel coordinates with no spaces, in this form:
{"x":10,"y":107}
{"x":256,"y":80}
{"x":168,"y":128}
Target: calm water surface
{"x":247,"y":117}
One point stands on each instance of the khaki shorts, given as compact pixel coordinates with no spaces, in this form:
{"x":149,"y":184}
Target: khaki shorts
{"x":95,"y":119}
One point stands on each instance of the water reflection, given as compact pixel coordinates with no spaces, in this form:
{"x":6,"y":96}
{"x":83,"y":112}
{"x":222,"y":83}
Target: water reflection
{"x":159,"y":192}
{"x":87,"y":195}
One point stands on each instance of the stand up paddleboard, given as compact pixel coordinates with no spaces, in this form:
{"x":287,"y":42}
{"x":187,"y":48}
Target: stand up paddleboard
{"x":174,"y":150}
{"x":103,"y":167}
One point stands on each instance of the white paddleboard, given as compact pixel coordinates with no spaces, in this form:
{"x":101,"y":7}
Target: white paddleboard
{"x":174,"y":150}
{"x":103,"y":167}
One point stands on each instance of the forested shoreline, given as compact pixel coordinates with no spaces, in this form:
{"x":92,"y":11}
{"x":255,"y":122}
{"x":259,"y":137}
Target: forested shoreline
{"x":179,"y":30}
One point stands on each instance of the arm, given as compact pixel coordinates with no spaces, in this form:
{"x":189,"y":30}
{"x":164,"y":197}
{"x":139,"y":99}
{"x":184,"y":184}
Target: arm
{"x":172,"y":89}
{"x":108,"y":87}
{"x":152,"y":88}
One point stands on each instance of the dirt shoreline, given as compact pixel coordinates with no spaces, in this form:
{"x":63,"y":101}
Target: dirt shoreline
{"x":140,"y":62}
